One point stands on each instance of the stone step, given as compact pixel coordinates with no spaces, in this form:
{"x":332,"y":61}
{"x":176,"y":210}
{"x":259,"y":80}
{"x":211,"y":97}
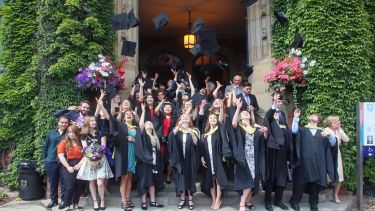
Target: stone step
{"x":348,"y":202}
{"x":200,"y":198}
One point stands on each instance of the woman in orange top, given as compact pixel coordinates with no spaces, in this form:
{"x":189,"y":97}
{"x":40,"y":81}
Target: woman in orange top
{"x":70,"y":154}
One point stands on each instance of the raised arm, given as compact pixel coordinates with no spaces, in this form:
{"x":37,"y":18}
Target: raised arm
{"x":221,"y":114}
{"x":154,"y":81}
{"x":101,"y":107}
{"x":142,"y":119}
{"x":192,"y":88}
{"x":157,"y":109}
{"x":141,"y":85}
{"x":236,"y":114}
{"x":297,"y":114}
{"x":97,"y":110}
{"x":218,"y":86}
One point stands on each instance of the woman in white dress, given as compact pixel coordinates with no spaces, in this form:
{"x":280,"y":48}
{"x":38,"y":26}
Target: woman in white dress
{"x":96,"y":172}
{"x":334,"y":127}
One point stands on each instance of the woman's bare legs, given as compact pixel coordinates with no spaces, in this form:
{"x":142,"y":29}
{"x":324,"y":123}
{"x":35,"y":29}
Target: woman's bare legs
{"x":92,"y":187}
{"x":101,"y":190}
{"x":336,"y":192}
{"x":218,"y":197}
{"x":245,"y":194}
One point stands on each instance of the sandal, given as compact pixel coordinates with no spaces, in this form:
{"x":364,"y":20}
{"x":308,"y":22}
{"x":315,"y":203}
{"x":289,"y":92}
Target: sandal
{"x":144,"y":206}
{"x":250,"y":206}
{"x":129,"y":202}
{"x":181,"y":204}
{"x":155,"y":204}
{"x":125,"y":206}
{"x":96,"y":208}
{"x":191,"y":205}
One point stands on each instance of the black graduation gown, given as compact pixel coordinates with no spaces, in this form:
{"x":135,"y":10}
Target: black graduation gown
{"x":242,"y":175}
{"x":220,"y":149}
{"x":312,"y":158}
{"x":119,"y":133}
{"x":184,"y":168}
{"x":144,"y":169}
{"x":164,"y":138}
{"x":279,"y":150}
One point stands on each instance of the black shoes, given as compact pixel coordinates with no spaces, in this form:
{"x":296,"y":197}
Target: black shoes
{"x":313,"y":207}
{"x":281,"y":205}
{"x":155,"y":204}
{"x":52,"y":204}
{"x":62,"y":205}
{"x":269,"y":207}
{"x":294,"y":205}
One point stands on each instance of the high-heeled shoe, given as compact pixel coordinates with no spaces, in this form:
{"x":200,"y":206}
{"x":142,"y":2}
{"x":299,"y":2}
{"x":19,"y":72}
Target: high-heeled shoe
{"x":102,"y":207}
{"x":190,"y":205}
{"x":181,"y":204}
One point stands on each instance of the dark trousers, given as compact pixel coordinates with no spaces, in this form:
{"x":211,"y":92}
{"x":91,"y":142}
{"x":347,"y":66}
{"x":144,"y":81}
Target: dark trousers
{"x":54,"y":173}
{"x":73,"y":186}
{"x":268,"y":193}
{"x":313,"y":190}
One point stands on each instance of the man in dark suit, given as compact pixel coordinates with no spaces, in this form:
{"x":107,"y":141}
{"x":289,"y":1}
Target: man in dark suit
{"x":278,"y":154}
{"x":249,"y":99}
{"x":76,"y":118}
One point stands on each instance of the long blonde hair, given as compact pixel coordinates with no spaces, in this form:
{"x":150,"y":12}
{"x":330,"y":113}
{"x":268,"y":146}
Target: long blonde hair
{"x":86,"y":125}
{"x":207,"y":126}
{"x":153,"y":137}
{"x":330,"y":120}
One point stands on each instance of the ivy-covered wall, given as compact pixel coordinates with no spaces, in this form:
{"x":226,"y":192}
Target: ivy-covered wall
{"x":17,"y":81}
{"x":68,"y":34}
{"x":338,"y":36}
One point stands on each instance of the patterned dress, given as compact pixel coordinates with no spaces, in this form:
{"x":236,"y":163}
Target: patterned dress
{"x":97,"y":169}
{"x":250,"y":154}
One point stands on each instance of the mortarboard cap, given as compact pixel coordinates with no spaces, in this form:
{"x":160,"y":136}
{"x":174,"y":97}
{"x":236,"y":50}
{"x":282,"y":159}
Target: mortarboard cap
{"x":120,"y":21}
{"x":195,"y":50}
{"x":128,"y":48}
{"x":281,"y":17}
{"x":170,"y":94}
{"x":222,"y":65}
{"x":132,"y":20}
{"x":110,"y":92}
{"x":246,"y":69}
{"x":197,"y":26}
{"x":248,"y":3}
{"x":161,"y":20}
{"x":298,"y":41}
{"x":196,"y":99}
{"x":208,"y":42}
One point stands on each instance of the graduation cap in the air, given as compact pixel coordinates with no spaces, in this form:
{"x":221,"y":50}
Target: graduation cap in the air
{"x":207,"y":69}
{"x":128,"y":48}
{"x":281,"y":17}
{"x":208,"y":42}
{"x":298,"y":41}
{"x":161,"y":20}
{"x":124,"y":21}
{"x":222,"y":65}
{"x":196,"y":99}
{"x":246,"y":69}
{"x":248,"y":3}
{"x":110,"y":92}
{"x":132,"y":20}
{"x":196,"y":49}
{"x":197,"y":26}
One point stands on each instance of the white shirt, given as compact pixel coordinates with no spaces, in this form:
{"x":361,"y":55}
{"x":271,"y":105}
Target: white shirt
{"x":184,"y":143}
{"x":209,"y":143}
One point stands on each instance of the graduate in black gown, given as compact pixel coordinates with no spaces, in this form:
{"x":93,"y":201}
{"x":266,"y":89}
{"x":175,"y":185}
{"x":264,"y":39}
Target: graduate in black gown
{"x":312,"y":160}
{"x":214,"y":147}
{"x":278,"y":154}
{"x":182,"y":145}
{"x":248,"y":152}
{"x":123,"y":135}
{"x":150,"y":166}
{"x":166,"y":122}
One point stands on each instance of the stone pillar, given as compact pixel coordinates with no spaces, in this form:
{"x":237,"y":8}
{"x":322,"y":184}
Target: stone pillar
{"x":259,"y":49}
{"x":131,"y":67}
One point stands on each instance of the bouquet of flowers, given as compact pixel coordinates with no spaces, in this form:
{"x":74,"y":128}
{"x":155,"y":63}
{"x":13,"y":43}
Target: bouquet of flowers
{"x":291,"y":70}
{"x":101,"y":73}
{"x":94,"y":154}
